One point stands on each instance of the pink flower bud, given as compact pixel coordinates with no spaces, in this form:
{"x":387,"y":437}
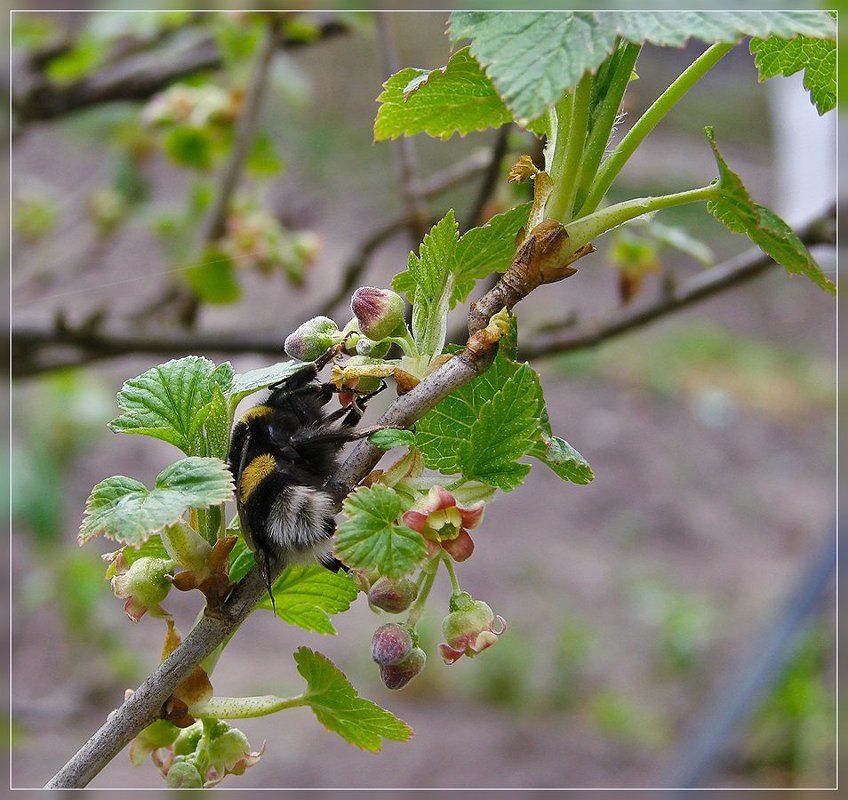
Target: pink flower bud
{"x":312,"y":339}
{"x":391,"y":644}
{"x":393,"y":596}
{"x":396,"y":676}
{"x":379,"y":312}
{"x":469,"y":628}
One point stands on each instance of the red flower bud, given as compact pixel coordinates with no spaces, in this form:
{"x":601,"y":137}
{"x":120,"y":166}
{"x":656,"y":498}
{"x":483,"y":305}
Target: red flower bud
{"x":396,"y":676}
{"x":391,"y":644}
{"x":379,"y":312}
{"x":393,"y":596}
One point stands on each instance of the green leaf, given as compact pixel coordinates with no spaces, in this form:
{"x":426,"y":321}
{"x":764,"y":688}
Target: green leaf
{"x":817,"y":57}
{"x":735,"y":208}
{"x":82,"y":59}
{"x":305,"y":595}
{"x":338,"y":707}
{"x":457,"y":98}
{"x":370,"y":537}
{"x":241,"y":558}
{"x":534,"y":57}
{"x":563,"y":459}
{"x":264,"y":161}
{"x":480,"y":430}
{"x":487,"y":249}
{"x":213,"y":279}
{"x":392,"y":437}
{"x":216,"y":430}
{"x":127,"y":511}
{"x":171,"y":401}
{"x":427,"y":284}
{"x":190,"y":147}
{"x":246,"y":383}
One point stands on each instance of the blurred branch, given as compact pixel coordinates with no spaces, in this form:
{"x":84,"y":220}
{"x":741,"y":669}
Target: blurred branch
{"x":733,"y":272}
{"x":214,"y":224}
{"x":490,"y":177}
{"x":406,"y":160}
{"x":135,"y":77}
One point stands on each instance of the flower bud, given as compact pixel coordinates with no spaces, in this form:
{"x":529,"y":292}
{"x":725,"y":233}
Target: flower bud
{"x":144,"y":584}
{"x":396,"y":676}
{"x":229,"y":753}
{"x":312,"y":339}
{"x":469,"y":628}
{"x":393,"y":596}
{"x":391,"y":644}
{"x":379,"y":312}
{"x":184,"y":775}
{"x":371,"y":349}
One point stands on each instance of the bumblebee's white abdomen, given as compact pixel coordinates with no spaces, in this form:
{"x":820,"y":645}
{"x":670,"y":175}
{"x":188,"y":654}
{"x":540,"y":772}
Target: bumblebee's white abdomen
{"x":301,"y":518}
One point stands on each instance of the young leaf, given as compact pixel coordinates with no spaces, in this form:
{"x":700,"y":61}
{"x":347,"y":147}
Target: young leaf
{"x":430,"y":275}
{"x":480,"y":430}
{"x":533,"y":58}
{"x":457,"y":98}
{"x":247,"y":383}
{"x":171,"y":401}
{"x":735,"y":209}
{"x":370,"y":537}
{"x":306,"y":595}
{"x":339,"y":708}
{"x":817,"y":57}
{"x":127,"y":511}
{"x":562,"y":458}
{"x":213,"y":279}
{"x":487,"y":249}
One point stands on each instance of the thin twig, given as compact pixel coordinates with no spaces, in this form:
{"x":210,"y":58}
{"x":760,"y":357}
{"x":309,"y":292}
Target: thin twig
{"x":705,"y":284}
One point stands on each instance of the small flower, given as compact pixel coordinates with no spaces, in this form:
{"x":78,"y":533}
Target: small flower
{"x":184,"y":775}
{"x":312,"y":339}
{"x":396,"y":676}
{"x":145,"y":585}
{"x":229,"y":753}
{"x":469,"y":628}
{"x":444,"y":524}
{"x":393,"y":596}
{"x":391,"y":644}
{"x":379,"y":312}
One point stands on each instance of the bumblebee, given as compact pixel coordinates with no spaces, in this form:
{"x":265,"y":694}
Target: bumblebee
{"x":282,"y":453}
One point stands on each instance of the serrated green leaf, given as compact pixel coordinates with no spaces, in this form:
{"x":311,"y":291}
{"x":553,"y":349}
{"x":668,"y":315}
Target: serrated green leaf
{"x":480,"y":430}
{"x":246,"y":383}
{"x":392,"y":437}
{"x":457,"y":98}
{"x":339,"y":708}
{"x":370,"y":537}
{"x":735,"y":208}
{"x":505,"y":429}
{"x":563,"y":459}
{"x":306,"y":595}
{"x":534,"y":57}
{"x":487,"y":249}
{"x":170,"y":401}
{"x":430,"y":272}
{"x":127,"y":511}
{"x":817,"y":57}
{"x":213,"y":279}
{"x":775,"y":237}
{"x":216,"y":429}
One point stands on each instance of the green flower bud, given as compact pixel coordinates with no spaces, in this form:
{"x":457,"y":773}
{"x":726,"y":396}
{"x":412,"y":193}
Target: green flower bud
{"x":143,"y":584}
{"x":312,"y":339}
{"x":184,"y":775}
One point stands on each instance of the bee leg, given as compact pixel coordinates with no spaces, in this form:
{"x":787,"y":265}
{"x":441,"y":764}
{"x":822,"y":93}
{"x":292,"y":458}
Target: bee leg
{"x":356,"y":409}
{"x":338,"y":435}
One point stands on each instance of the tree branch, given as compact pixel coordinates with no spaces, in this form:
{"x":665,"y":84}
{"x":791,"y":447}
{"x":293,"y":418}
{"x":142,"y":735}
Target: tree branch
{"x":144,"y":706}
{"x":136,"y":77}
{"x":733,"y":272}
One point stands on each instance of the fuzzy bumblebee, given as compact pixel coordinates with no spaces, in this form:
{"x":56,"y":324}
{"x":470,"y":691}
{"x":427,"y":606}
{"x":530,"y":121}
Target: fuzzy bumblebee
{"x":282,"y":453}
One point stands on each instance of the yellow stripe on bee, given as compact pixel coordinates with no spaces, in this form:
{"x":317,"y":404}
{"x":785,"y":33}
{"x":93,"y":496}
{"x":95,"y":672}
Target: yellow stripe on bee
{"x":257,"y":412}
{"x":254,"y":473}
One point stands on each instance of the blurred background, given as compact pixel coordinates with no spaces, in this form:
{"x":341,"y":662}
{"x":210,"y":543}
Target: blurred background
{"x":672,"y":622}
